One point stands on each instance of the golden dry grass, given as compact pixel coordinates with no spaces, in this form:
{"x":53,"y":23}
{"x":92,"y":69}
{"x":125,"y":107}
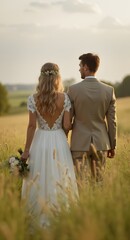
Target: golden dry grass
{"x":103,"y":211}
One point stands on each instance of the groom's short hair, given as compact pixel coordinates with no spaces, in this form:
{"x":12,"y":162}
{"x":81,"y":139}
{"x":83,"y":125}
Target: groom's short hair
{"x":91,"y":60}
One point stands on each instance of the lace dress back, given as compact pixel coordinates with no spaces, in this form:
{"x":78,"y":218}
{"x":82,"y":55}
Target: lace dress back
{"x":42,"y":122}
{"x":51,"y":167}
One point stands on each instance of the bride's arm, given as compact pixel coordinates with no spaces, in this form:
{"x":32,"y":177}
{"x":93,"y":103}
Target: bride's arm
{"x":67,"y":122}
{"x":30,"y":133}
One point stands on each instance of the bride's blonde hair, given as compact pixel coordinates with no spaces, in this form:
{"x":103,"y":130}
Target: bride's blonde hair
{"x":48,"y":87}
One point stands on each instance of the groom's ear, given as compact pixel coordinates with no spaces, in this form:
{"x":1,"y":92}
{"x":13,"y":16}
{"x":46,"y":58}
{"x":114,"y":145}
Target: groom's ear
{"x":86,"y":67}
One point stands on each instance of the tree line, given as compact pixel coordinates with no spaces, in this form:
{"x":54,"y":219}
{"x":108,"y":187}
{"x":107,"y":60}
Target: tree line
{"x":121,"y":90}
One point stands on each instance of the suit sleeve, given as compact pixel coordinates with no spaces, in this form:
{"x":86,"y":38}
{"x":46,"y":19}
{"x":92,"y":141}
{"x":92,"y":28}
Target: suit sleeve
{"x":70,"y":94}
{"x":112,"y":121}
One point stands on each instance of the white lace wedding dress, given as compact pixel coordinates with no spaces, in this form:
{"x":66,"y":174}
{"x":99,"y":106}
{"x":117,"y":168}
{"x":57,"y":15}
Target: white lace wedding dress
{"x":51,"y":177}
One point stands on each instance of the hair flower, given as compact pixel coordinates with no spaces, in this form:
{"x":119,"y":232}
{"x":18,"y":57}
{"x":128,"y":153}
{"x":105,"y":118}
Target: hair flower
{"x":49,"y":72}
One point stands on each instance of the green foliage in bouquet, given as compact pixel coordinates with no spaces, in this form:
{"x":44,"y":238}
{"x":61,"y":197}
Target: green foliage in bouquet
{"x":17,"y":165}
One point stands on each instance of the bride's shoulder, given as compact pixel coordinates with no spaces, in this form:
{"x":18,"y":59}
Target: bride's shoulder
{"x":31,"y":98}
{"x":65,"y":99}
{"x":31,"y":103}
{"x":62,"y":95}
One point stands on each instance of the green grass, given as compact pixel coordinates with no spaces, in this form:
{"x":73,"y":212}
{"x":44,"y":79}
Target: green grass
{"x":123,"y":114}
{"x":16,"y":98}
{"x":102,"y":212}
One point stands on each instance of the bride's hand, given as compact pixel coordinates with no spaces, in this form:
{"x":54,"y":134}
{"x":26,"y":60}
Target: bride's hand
{"x":25,"y":155}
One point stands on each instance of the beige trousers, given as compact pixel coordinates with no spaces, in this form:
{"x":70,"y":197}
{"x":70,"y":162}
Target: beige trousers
{"x":92,"y":162}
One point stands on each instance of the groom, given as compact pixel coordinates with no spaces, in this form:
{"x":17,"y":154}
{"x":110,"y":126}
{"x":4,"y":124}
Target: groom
{"x":93,"y":115}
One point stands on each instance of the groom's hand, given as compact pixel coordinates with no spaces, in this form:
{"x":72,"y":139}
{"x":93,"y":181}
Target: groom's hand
{"x":111,"y":153}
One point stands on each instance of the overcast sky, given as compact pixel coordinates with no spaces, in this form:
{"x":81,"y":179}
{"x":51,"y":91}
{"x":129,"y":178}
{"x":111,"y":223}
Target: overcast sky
{"x":33,"y":32}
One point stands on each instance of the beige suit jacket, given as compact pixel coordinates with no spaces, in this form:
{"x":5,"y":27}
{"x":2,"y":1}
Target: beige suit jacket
{"x":94,"y":115}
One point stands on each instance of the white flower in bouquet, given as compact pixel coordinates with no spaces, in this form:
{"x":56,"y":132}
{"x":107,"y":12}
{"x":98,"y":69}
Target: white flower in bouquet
{"x":11,"y":160}
{"x":14,"y":164}
{"x":17,"y":165}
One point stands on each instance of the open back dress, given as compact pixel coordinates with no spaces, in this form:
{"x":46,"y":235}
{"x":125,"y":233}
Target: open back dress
{"x":51,"y":176}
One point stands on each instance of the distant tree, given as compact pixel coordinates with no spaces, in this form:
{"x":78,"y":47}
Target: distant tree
{"x":109,"y":83}
{"x":115,"y":86}
{"x":67,"y":83}
{"x":123,"y":90}
{"x":4,"y":103}
{"x":23,"y":104}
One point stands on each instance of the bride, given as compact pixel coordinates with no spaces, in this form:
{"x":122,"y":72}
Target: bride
{"x":51,"y":176}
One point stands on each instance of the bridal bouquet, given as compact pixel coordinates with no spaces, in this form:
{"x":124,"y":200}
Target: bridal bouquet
{"x":18,"y":166}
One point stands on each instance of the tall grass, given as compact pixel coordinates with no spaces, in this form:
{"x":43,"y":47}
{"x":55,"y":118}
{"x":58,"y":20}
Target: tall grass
{"x":102,"y":211}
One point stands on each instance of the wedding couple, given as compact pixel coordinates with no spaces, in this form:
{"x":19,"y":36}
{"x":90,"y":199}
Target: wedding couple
{"x":88,"y":109}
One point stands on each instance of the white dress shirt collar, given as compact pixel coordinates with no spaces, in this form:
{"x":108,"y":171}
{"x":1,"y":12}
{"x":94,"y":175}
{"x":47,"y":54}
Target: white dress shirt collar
{"x":90,"y":77}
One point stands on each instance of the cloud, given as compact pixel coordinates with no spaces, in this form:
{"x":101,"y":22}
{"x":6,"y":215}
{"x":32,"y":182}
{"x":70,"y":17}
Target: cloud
{"x":30,"y":28}
{"x":19,"y":28}
{"x":71,"y":6}
{"x":80,"y":6}
{"x":30,"y":31}
{"x":111,"y":23}
{"x":40,"y":5}
{"x":108,"y":23}
{"x":24,"y":48}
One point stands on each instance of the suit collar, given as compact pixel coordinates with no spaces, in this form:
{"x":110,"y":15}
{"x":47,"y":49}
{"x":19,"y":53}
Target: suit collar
{"x":90,"y":79}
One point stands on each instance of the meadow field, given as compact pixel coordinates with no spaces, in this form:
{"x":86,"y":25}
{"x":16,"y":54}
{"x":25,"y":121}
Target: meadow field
{"x":102,"y":211}
{"x":17,"y":101}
